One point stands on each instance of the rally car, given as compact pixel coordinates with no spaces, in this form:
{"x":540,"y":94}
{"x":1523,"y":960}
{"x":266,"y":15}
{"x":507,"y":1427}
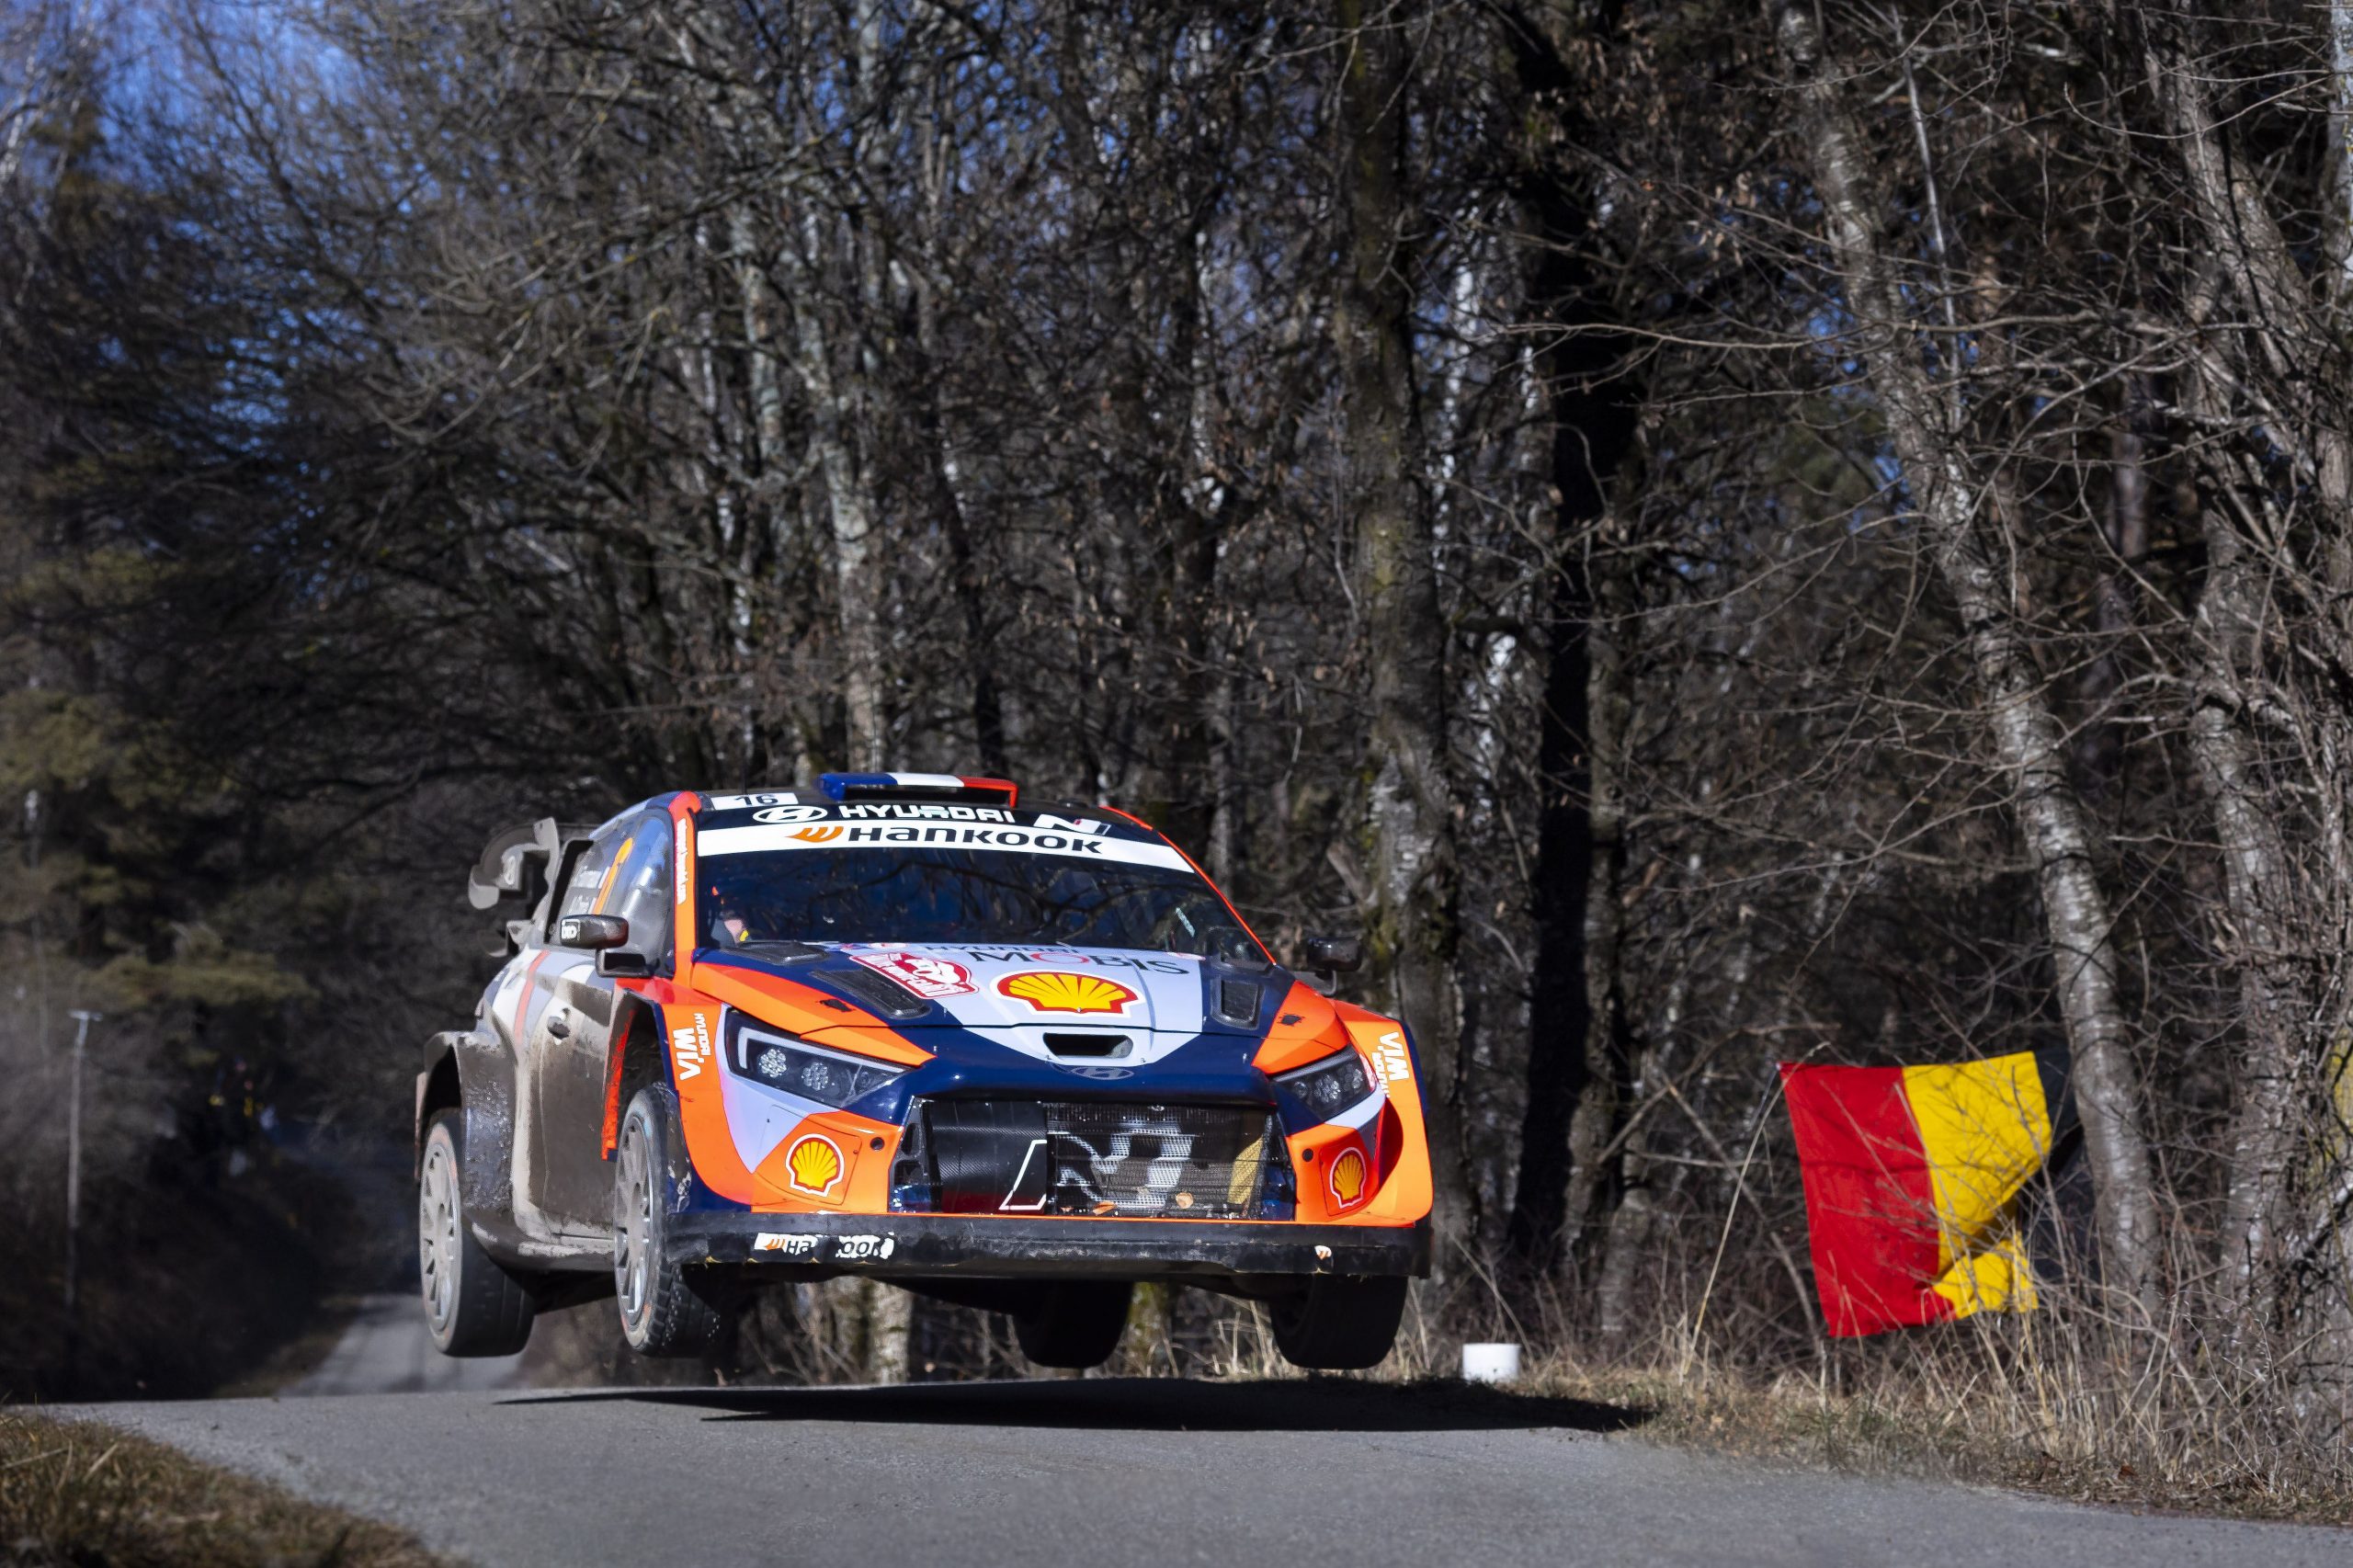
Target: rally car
{"x":899,"y":1025}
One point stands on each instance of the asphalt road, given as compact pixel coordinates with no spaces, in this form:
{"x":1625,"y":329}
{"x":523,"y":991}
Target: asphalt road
{"x":1125,"y":1473}
{"x":387,"y":1350}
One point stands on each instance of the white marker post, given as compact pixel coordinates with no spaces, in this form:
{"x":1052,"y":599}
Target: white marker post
{"x":82,"y":1021}
{"x":1491,"y":1363}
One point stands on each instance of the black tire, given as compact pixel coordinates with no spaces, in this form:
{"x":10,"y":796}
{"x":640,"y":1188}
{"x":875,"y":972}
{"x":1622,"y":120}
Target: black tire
{"x":1076,"y":1322}
{"x":664,"y":1310}
{"x":472,"y":1306}
{"x":1339,"y":1324}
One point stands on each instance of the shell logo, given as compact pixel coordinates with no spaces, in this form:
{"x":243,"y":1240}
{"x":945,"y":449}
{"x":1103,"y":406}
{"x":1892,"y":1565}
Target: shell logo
{"x":1346,"y":1180}
{"x":815,"y":1164}
{"x":1056,"y":991}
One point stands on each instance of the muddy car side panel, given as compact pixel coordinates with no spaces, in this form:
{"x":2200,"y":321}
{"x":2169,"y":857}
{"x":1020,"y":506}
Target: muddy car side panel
{"x":483,"y":1067}
{"x":567,"y":1052}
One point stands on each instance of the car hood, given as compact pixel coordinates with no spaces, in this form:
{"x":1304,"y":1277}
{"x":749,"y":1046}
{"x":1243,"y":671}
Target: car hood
{"x":977,"y":986}
{"x":1017,"y":997}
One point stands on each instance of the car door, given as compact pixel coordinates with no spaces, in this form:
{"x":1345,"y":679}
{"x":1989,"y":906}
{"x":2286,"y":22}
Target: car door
{"x":626,"y":871}
{"x":549,"y":1051}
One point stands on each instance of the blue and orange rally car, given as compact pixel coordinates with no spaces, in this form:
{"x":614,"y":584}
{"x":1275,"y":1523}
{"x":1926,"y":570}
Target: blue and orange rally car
{"x":899,"y":1025}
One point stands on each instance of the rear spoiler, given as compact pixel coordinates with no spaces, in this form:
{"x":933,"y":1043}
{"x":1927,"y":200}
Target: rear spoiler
{"x":517,"y":866}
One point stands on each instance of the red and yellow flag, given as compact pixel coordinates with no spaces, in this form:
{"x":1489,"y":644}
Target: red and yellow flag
{"x":1912,"y":1177}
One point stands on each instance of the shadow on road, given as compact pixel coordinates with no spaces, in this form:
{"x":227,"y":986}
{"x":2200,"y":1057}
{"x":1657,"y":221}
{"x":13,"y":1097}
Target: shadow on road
{"x":1162,"y":1405}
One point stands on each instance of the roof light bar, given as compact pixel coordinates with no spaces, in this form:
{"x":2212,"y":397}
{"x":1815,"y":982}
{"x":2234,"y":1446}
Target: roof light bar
{"x":919,"y":786}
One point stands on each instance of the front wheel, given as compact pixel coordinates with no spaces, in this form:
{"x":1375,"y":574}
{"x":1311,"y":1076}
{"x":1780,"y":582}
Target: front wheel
{"x":1339,"y":1324}
{"x":663,"y":1311}
{"x":473,"y":1307}
{"x":1075,"y":1323}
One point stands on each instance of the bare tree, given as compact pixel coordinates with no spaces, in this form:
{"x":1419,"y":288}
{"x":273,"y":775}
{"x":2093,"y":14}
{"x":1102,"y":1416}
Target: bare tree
{"x":1964,"y":520}
{"x":1409,"y":840}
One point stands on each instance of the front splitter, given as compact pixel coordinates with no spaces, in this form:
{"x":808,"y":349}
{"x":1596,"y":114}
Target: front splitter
{"x":994,"y":1247}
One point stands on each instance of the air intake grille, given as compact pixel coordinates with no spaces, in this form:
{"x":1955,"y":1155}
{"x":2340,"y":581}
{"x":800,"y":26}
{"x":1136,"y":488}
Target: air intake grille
{"x":1087,"y":1044}
{"x":1074,"y":1158}
{"x":878,"y":992}
{"x":1237,"y":1001}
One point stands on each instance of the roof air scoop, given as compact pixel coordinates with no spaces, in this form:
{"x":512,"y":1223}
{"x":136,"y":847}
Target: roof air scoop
{"x":1237,"y":1002}
{"x":878,"y":992}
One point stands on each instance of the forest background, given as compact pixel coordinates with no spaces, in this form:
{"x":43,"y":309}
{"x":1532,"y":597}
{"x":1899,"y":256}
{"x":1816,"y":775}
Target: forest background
{"x":1715,"y":533}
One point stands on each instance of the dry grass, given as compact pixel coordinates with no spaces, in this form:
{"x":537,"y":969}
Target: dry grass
{"x":2080,"y":1401}
{"x":2070,"y":1402}
{"x":1944,"y":1433}
{"x":80,"y":1494}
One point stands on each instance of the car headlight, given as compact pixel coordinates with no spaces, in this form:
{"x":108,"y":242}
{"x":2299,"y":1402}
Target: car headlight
{"x":1330,"y":1088}
{"x":785,"y":1062}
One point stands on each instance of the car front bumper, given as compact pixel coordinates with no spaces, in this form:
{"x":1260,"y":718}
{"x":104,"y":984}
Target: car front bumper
{"x":911,"y":1246}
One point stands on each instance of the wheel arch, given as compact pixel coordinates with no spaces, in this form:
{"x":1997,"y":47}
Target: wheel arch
{"x":471,"y":1073}
{"x":632,"y":1060}
{"x":439,"y":1087}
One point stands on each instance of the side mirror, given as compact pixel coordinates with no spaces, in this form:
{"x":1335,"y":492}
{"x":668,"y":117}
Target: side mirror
{"x":596,"y":932}
{"x":1338,"y":955}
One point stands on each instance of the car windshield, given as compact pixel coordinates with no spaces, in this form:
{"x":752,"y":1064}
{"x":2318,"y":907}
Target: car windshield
{"x":941,"y":894}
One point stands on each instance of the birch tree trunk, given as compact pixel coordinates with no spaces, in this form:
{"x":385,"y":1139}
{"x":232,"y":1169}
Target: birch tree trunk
{"x":764,"y":507}
{"x":835,"y":274}
{"x":2029,"y":743}
{"x":1186,"y":605}
{"x":833,"y":270}
{"x":2226,"y":204}
{"x":968,"y":577}
{"x":2228,"y":636}
{"x":2273,"y":1011}
{"x":833,"y":404}
{"x":2277,"y":1075}
{"x":1410,"y":915}
{"x":953,"y":516}
{"x":2340,"y":163}
{"x":748,"y":514}
{"x":2100,"y":749}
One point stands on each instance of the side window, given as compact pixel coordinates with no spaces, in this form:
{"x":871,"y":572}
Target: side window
{"x":639,"y":890}
{"x":593,"y":872}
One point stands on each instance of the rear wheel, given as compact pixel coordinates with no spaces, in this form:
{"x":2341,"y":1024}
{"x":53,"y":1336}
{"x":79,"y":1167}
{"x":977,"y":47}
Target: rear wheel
{"x":472,"y":1306}
{"x":1076,"y":1322}
{"x":1339,"y":1324}
{"x":664,"y":1311}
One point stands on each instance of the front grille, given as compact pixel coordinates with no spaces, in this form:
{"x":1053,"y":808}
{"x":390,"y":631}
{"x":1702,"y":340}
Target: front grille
{"x":1188,"y":1162}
